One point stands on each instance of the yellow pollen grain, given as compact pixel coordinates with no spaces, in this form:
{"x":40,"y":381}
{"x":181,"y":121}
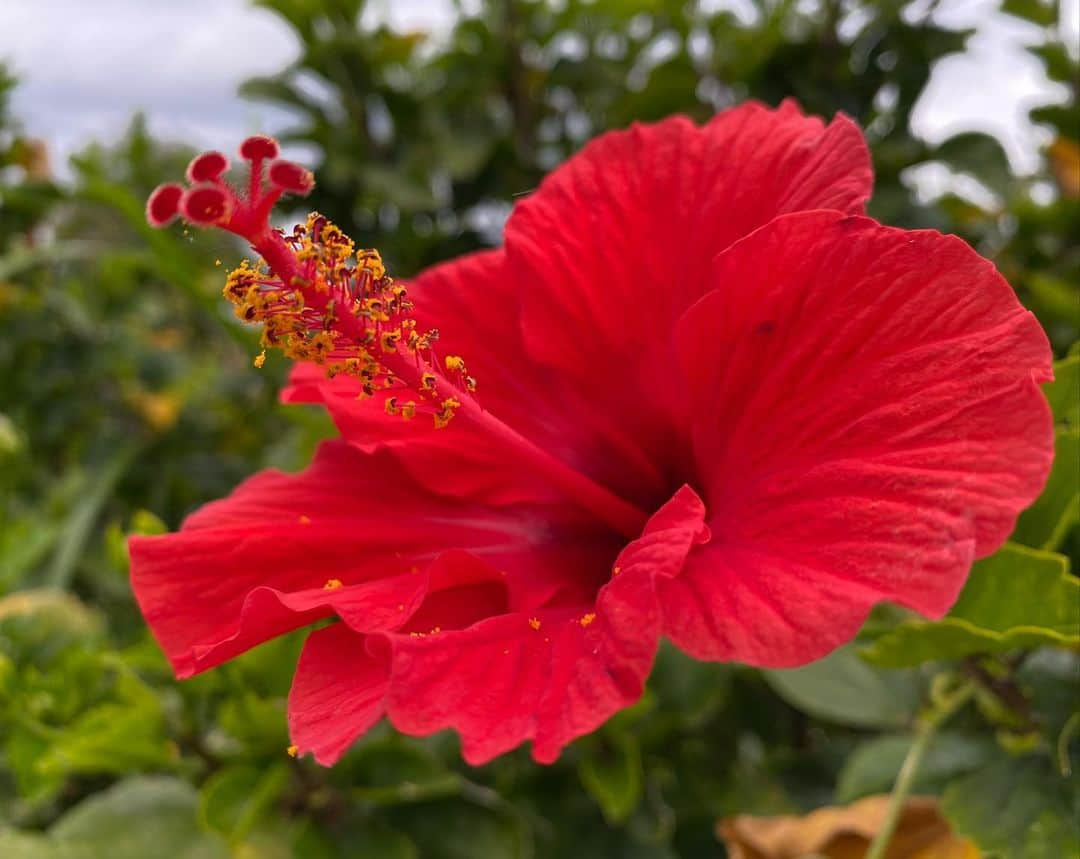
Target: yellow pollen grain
{"x":616,"y":570}
{"x":454,"y":362}
{"x":260,"y":359}
{"x":588,"y":618}
{"x":534,"y":622}
{"x":332,"y":584}
{"x":304,"y":520}
{"x":292,"y":751}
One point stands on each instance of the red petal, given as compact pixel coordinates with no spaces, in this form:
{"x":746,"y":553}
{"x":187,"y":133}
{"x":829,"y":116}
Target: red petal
{"x":868,"y":420}
{"x":255,"y":564}
{"x":337,"y":693}
{"x":618,"y":241}
{"x":473,"y":302}
{"x":553,"y":674}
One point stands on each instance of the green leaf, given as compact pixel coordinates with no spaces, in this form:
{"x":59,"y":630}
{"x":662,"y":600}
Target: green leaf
{"x":456,"y":829}
{"x":1015,"y":809}
{"x":1063,"y":393}
{"x":358,"y":839}
{"x":79,"y":526}
{"x":36,"y":626}
{"x":137,"y":818}
{"x":873,"y":767}
{"x":236,"y":799}
{"x":979,"y":155}
{"x":611,"y":772}
{"x":260,"y":723}
{"x":1018,"y":598}
{"x":842,"y":688}
{"x":1038,"y":12}
{"x":27,"y":845}
{"x":391,"y":771}
{"x":111,"y":738}
{"x":1047,"y":522}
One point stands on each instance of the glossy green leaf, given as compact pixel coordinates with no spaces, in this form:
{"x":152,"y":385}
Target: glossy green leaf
{"x":135,"y":819}
{"x":842,"y":688}
{"x":1017,"y":598}
{"x":873,"y":766}
{"x":1016,"y":809}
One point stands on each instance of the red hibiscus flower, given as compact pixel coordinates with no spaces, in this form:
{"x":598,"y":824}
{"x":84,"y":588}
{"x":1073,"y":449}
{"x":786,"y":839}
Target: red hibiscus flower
{"x":712,"y":402}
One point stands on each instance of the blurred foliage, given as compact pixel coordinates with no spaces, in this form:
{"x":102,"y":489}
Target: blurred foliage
{"x":128,"y":398}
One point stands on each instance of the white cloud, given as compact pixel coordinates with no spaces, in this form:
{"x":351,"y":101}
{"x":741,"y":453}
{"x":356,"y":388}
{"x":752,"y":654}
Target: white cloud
{"x":86,"y":67}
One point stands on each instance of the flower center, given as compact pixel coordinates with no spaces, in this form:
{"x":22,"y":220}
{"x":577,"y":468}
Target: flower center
{"x":319,"y":300}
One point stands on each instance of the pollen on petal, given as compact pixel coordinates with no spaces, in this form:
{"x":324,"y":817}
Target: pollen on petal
{"x":258,"y":147}
{"x":291,"y":177}
{"x":207,"y":167}
{"x":534,"y":622}
{"x":587,"y":618}
{"x":205,"y":204}
{"x":332,"y":584}
{"x":304,"y":520}
{"x":164,"y":204}
{"x":292,"y":751}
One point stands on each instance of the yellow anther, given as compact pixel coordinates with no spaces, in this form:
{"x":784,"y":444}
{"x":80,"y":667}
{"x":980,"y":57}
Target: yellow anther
{"x":534,"y":622}
{"x":616,"y":570}
{"x":390,"y":340}
{"x":337,"y":307}
{"x":587,"y":618}
{"x":320,"y":346}
{"x":332,"y":584}
{"x":370,"y":262}
{"x":446,"y":412}
{"x":292,"y":751}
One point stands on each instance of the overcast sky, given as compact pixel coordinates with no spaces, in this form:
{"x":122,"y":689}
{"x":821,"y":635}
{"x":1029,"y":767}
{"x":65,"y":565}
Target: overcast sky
{"x":87,"y":65}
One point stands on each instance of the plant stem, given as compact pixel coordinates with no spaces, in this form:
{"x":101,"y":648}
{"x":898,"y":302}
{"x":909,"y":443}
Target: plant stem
{"x":924,"y":733}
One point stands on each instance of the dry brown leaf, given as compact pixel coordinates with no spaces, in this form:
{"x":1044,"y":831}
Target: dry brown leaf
{"x":845,"y":833}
